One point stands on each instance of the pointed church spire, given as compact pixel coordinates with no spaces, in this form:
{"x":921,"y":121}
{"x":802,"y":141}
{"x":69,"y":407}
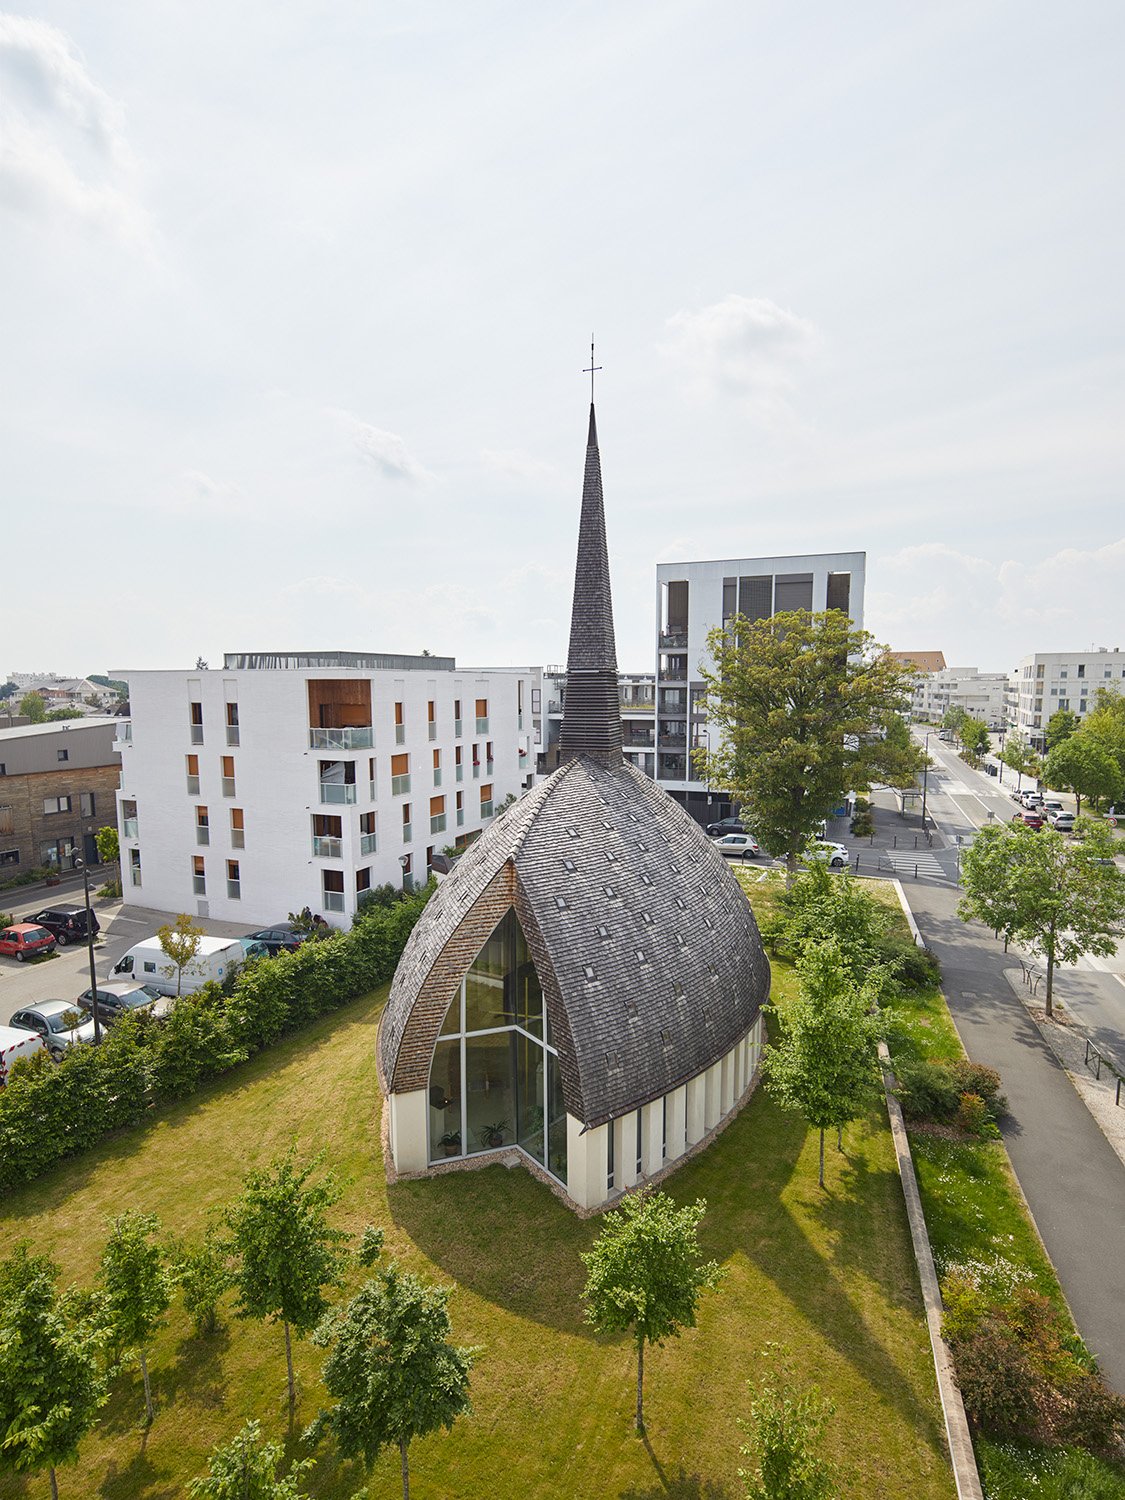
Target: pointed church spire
{"x":592,"y":713}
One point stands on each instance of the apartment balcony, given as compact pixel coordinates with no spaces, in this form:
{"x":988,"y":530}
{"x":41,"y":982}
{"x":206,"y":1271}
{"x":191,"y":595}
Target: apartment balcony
{"x":325,"y":846}
{"x":673,"y":742}
{"x":555,"y":706}
{"x":356,"y":737}
{"x":672,"y":768}
{"x":337,"y":792}
{"x":333,"y":900}
{"x":638,"y":741}
{"x":437,"y":823}
{"x":400,"y":785}
{"x":482,"y":726}
{"x":123,"y":733}
{"x":674,"y":639}
{"x":367,"y":844}
{"x":129,"y":829}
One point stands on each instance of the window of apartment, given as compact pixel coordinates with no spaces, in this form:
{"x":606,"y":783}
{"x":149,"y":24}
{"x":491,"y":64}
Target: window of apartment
{"x":135,"y":866}
{"x":482,"y":715}
{"x":488,"y":756}
{"x":429,"y":860}
{"x":1040,"y":669}
{"x":56,"y":805}
{"x":476,"y":761}
{"x":407,"y":863}
{"x":519,"y":702}
{"x":839,"y":592}
{"x":332,"y":884}
{"x":371,"y":774}
{"x":407,"y":830}
{"x":195,"y":720}
{"x":486,"y":800}
{"x":237,"y":828}
{"x":234,"y":880}
{"x":192,"y":762}
{"x":363,"y":880}
{"x":1081,"y":669}
{"x":202,"y":826}
{"x":1062,"y":672}
{"x":198,"y":875}
{"x":3,"y":769}
{"x":400,"y":774}
{"x":437,"y":768}
{"x":792,"y":591}
{"x":129,"y":819}
{"x":86,"y":804}
{"x":367,"y":843}
{"x":228,"y":775}
{"x":9,"y":857}
{"x":460,"y":808}
{"x":232,"y":723}
{"x":437,"y":814}
{"x":456,"y":718}
{"x":7,"y":821}
{"x":431,"y":719}
{"x":400,"y":725}
{"x":458,"y":766}
{"x":64,"y":754}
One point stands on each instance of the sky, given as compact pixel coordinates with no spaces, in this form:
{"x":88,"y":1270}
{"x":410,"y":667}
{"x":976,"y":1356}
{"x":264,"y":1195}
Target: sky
{"x":296,"y":299}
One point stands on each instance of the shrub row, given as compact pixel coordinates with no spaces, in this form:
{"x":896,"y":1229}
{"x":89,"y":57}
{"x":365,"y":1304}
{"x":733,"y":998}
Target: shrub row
{"x":48,"y":1110}
{"x":958,"y":1092}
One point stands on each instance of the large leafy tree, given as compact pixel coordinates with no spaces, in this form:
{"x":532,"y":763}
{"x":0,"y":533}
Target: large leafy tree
{"x":803,"y":703}
{"x":392,"y":1369}
{"x":1105,"y":723}
{"x":137,"y":1284}
{"x":180,"y":941}
{"x":1084,"y":766}
{"x":247,"y":1469}
{"x":645,"y":1274}
{"x":1060,"y":726}
{"x":1019,"y":757}
{"x":825,"y":1062}
{"x":51,"y":1384}
{"x":32,"y":707}
{"x":953,"y":719}
{"x":974,"y":738}
{"x":1055,"y":895}
{"x":286,"y":1252}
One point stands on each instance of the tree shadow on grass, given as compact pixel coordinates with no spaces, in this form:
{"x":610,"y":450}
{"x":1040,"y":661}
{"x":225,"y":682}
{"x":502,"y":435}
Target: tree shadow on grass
{"x":197,"y":1377}
{"x":138,"y":1477}
{"x":675,"y":1484}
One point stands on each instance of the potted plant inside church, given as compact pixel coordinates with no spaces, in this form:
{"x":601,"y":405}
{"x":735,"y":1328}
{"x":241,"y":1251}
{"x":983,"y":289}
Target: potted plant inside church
{"x":492,"y":1136}
{"x":450,"y":1143}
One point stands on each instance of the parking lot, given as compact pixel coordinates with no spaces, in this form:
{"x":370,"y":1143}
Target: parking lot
{"x":67,"y":974}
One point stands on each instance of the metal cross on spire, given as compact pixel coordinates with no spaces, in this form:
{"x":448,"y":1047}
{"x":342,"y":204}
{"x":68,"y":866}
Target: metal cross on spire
{"x":591,"y":369}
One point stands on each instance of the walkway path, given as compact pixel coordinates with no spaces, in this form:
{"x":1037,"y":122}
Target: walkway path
{"x":1072,"y":1179}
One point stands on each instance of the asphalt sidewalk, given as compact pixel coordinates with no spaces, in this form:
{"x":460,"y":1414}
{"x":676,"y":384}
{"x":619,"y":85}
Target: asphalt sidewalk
{"x":1072,"y":1179}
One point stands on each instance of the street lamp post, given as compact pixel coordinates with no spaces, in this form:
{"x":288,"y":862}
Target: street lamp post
{"x":404,"y":861}
{"x":81,"y":864}
{"x":925,"y":775}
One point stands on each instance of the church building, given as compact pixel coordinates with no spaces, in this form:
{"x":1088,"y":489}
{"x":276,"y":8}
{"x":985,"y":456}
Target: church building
{"x":585,"y":987}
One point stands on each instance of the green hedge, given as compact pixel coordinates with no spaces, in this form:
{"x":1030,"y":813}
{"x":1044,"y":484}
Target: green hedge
{"x":48,"y":1110}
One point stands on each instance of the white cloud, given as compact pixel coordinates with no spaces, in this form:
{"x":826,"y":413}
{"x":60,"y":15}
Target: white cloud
{"x":515,"y":465}
{"x":62,"y":138}
{"x":386,"y":450}
{"x":746,"y":347}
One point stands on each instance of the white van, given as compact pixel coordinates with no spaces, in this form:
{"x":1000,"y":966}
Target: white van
{"x":148,"y":964}
{"x":15,"y":1043}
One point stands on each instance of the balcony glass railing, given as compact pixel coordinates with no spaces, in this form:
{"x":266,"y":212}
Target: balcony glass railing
{"x":519,"y":721}
{"x":234,"y":890}
{"x":437,"y":823}
{"x":482,"y":726}
{"x":437,"y":776}
{"x":202,"y":835}
{"x":199,"y":884}
{"x":335,"y":791}
{"x":407,"y":833}
{"x":129,"y":828}
{"x":196,"y":734}
{"x":459,"y":772}
{"x":367,"y":843}
{"x":124,"y":732}
{"x":486,"y":809}
{"x":399,"y":785}
{"x":476,"y":770}
{"x":135,"y":875}
{"x":333,"y":901}
{"x":400,"y":734}
{"x":232,"y":734}
{"x":327,"y":846}
{"x":372,"y":791}
{"x":228,"y":786}
{"x":193,"y":786}
{"x":457,"y":729}
{"x":357,"y":737}
{"x":488,"y":765}
{"x":674,"y":639}
{"x":460,"y":817}
{"x":431,"y":729}
{"x":238,"y":838}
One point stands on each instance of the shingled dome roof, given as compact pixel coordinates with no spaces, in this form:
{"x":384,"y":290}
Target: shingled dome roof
{"x":642,"y":940}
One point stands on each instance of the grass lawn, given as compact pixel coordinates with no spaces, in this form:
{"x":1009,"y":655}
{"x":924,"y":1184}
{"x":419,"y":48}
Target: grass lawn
{"x":830,"y":1274}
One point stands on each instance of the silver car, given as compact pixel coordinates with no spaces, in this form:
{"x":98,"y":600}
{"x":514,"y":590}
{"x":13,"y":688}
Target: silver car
{"x":48,"y":1019}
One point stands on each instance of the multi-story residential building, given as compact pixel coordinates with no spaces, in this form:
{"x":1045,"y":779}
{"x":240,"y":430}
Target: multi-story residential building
{"x":285,"y":781}
{"x":921,"y":661}
{"x":982,"y":695}
{"x":693,"y":598}
{"x":637,"y":696}
{"x":58,"y":783}
{"x":1051,"y":680}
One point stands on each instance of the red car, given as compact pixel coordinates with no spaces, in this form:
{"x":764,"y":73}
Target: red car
{"x":1030,"y":819}
{"x":25,"y":941}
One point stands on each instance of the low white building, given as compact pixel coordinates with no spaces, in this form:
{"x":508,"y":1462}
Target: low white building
{"x":285,"y":781}
{"x":980,"y":694}
{"x":1053,"y":680}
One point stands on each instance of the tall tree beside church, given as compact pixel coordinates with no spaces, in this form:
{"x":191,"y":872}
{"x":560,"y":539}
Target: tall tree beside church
{"x":803,"y":703}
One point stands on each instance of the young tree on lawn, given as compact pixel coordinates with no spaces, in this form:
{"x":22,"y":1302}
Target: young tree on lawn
{"x":109,"y":849}
{"x":246,"y":1469}
{"x":285,"y":1249}
{"x":1018,"y":755}
{"x":801,"y":703}
{"x":1083,"y":766}
{"x":32,"y":707}
{"x":203,"y":1275}
{"x":392,"y":1369}
{"x":1046,"y":891}
{"x":974,"y":738}
{"x":51,"y":1386}
{"x":644,"y":1274}
{"x":137,"y":1286}
{"x":180,"y":941}
{"x":825,"y":1063}
{"x":785,"y":1427}
{"x":1060,"y":726}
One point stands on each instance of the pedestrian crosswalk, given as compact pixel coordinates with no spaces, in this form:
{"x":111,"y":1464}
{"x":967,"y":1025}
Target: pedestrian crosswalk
{"x":904,"y":862}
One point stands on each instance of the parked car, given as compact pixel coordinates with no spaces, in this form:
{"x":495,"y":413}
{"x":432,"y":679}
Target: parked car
{"x":121,"y":997}
{"x":280,"y":938}
{"x":835,"y":856}
{"x":147,"y":963}
{"x":738,"y":846}
{"x":66,"y":924}
{"x":46,"y":1019}
{"x":1029,"y":818}
{"x":26,"y":940}
{"x":724,"y":825}
{"x":1031,"y":798}
{"x":1062,"y":822}
{"x":14,"y":1044}
{"x":1051,"y":805}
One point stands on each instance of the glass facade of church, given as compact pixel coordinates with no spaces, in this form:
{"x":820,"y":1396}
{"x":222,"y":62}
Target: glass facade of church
{"x":494,"y":1079}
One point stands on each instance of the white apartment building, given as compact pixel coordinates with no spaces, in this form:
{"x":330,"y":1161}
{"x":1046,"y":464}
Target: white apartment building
{"x":694,"y":597}
{"x":1053,"y":680}
{"x":284,"y":781}
{"x":982,"y":695}
{"x":637,"y":694}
